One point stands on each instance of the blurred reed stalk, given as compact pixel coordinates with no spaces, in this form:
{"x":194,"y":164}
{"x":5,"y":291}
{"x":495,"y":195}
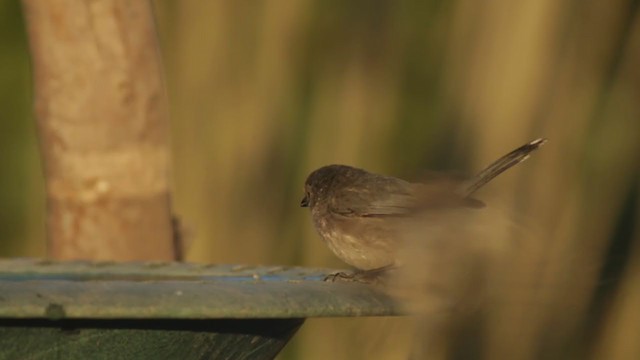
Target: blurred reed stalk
{"x":263,"y":93}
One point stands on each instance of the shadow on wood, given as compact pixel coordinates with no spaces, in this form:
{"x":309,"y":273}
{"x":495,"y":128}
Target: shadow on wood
{"x":145,"y":339}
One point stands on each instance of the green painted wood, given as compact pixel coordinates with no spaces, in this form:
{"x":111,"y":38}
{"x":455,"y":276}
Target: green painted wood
{"x":104,"y":310}
{"x":145,"y":339}
{"x":84,"y":290}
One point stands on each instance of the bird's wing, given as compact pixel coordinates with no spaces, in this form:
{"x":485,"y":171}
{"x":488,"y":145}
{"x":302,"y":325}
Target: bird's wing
{"x":398,"y":198}
{"x":387,"y":198}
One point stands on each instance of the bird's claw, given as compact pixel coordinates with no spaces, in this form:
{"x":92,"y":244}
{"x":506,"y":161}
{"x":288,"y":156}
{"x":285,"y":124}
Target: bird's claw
{"x":340,"y":276}
{"x":366,"y":277}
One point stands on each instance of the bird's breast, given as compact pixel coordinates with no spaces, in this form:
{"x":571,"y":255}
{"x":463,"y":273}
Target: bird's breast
{"x":364,"y":243}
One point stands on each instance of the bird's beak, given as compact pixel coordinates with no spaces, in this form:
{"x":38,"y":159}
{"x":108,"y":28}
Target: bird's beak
{"x":305,"y":201}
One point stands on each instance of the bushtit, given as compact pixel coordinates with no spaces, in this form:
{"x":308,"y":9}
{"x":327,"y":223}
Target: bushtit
{"x":360,"y":214}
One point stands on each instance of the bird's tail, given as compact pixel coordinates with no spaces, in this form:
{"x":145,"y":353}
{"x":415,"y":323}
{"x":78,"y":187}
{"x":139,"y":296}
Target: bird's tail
{"x":499,"y":166}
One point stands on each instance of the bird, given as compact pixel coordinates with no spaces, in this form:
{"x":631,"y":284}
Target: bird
{"x":360,"y":215}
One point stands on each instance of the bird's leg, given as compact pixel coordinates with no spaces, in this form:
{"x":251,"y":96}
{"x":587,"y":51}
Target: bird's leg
{"x":363,"y":276}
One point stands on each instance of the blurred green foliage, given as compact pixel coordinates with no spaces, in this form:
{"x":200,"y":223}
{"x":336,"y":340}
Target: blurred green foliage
{"x":21,"y":195}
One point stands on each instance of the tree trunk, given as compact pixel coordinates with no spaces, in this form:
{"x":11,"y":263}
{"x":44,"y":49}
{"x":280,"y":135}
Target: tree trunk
{"x":102,"y":118}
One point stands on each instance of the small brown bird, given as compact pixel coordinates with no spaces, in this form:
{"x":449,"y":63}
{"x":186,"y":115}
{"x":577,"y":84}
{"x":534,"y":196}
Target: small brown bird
{"x":360,"y":214}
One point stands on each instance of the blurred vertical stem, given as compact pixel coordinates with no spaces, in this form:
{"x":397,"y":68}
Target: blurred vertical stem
{"x":102,"y":118}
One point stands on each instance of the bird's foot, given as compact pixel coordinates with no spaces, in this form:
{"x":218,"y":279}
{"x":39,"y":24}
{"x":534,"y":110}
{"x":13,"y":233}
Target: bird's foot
{"x":373,"y":276}
{"x":340,"y":276}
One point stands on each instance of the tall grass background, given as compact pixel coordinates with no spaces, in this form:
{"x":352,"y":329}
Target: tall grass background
{"x":264,"y":92}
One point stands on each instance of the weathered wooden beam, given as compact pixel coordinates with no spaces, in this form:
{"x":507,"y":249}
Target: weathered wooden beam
{"x":156,"y":310}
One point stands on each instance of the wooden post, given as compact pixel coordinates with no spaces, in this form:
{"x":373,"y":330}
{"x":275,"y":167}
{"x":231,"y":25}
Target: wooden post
{"x":102,"y":118}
